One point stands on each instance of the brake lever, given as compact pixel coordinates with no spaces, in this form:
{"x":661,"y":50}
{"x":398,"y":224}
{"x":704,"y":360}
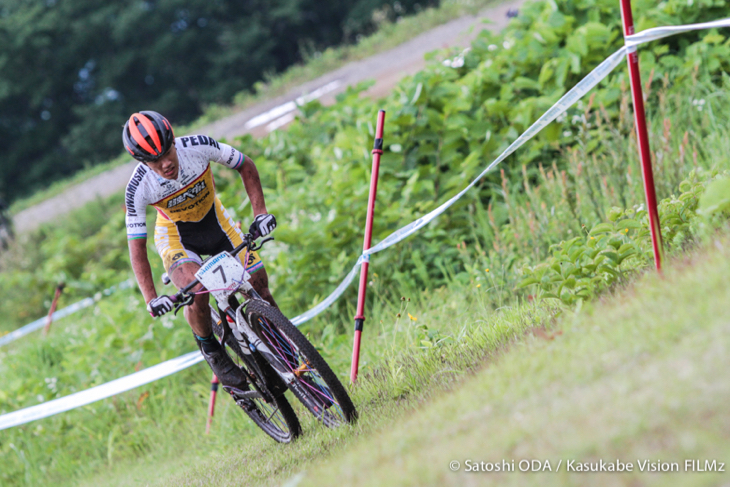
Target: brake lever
{"x":186,"y":299}
{"x":258,"y":246}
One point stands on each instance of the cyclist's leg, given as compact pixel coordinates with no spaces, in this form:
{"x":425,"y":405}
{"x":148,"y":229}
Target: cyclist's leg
{"x":199,"y":318}
{"x":181,"y":265}
{"x":260,"y":282}
{"x":198,"y":313}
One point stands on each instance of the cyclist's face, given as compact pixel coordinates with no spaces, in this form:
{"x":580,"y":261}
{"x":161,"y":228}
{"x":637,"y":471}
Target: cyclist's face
{"x":168,"y":165}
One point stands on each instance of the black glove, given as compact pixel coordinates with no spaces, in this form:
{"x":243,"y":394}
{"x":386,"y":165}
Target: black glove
{"x":160,"y":305}
{"x":262,"y":225}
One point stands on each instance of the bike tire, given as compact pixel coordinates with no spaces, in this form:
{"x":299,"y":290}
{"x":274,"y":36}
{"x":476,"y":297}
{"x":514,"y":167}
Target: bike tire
{"x":321,"y":391}
{"x":274,"y":383}
{"x":278,"y":420}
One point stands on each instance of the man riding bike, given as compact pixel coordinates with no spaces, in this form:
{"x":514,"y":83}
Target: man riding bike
{"x":175,"y":177}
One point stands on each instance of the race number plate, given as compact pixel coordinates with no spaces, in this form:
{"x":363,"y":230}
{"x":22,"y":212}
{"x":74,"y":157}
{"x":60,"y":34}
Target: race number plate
{"x":222,"y":275}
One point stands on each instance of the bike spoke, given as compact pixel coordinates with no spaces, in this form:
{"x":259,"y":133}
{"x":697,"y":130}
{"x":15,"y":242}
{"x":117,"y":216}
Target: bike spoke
{"x":279,"y":343}
{"x":322,"y":391}
{"x":289,"y":353}
{"x":275,"y":418}
{"x":316,"y":386}
{"x":268,"y":420}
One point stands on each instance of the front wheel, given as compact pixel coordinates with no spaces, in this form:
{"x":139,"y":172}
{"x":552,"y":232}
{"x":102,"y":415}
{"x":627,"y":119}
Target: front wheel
{"x":276,"y":416}
{"x":317,"y":387}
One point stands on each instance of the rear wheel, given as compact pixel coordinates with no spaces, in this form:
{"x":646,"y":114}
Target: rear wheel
{"x":276,"y":416}
{"x":318,"y":387}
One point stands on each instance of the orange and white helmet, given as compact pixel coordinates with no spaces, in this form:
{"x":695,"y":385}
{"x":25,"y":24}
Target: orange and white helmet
{"x":147,"y":136}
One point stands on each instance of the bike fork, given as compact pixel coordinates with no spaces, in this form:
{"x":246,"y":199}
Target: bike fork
{"x":251,"y":367}
{"x":256,"y":344}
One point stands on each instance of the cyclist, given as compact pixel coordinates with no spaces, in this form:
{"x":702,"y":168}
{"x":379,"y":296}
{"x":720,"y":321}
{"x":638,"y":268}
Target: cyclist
{"x":174,"y":176}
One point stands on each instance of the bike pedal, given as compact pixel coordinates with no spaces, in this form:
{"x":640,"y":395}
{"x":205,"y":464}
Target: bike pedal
{"x":238,"y":393}
{"x":233,"y":390}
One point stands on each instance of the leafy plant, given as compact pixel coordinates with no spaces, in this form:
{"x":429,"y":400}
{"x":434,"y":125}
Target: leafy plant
{"x":716,"y":198}
{"x":581,"y":267}
{"x":450,"y":120}
{"x":559,"y":209}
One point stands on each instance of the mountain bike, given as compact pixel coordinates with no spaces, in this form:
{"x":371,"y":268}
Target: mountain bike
{"x":273,"y":354}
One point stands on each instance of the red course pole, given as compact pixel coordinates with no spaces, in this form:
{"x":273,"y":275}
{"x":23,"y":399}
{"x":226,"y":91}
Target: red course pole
{"x":211,"y":404}
{"x":54,"y":304}
{"x":359,"y":316}
{"x":643,"y":137}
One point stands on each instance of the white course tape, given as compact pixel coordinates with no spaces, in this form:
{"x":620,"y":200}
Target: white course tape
{"x":84,"y":303}
{"x":570,"y":98}
{"x":332,"y":297}
{"x":281,"y":121}
{"x":102,"y":391}
{"x":656,"y":33}
{"x":171,"y":366}
{"x":575,"y":94}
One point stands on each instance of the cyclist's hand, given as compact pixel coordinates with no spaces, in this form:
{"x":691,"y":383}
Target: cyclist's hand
{"x":160,"y":305}
{"x":262,"y":225}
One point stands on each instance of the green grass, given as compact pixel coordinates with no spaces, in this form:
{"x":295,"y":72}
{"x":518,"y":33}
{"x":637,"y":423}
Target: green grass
{"x":638,"y":376}
{"x":387,"y":36}
{"x":163,"y":420}
{"x":474,"y":323}
{"x":398,"y":371}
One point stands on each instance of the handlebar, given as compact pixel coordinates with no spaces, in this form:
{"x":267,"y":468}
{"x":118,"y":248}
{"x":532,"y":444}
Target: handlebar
{"x":184,"y":297}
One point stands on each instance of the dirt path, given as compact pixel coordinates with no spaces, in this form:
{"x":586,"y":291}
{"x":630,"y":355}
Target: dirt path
{"x":386,"y":68}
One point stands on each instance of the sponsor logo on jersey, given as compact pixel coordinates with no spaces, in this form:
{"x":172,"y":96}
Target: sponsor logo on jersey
{"x":132,"y":189}
{"x":188,"y":194}
{"x":177,"y":256}
{"x":192,"y":206}
{"x":194,"y":140}
{"x":230,"y":158}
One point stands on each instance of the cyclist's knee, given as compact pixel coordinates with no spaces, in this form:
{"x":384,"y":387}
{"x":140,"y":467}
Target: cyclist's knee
{"x":183,"y":274}
{"x":198,"y":315}
{"x":201,"y":303}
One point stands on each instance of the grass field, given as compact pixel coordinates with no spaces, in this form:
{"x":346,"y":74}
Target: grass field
{"x":641,"y":376}
{"x":638,"y":376}
{"x":466,"y":370}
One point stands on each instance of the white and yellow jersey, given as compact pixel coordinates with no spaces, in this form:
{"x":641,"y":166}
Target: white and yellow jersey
{"x":191,"y":221}
{"x":190,"y":197}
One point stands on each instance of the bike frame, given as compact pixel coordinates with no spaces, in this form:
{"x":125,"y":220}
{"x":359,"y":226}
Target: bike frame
{"x":243,"y":332}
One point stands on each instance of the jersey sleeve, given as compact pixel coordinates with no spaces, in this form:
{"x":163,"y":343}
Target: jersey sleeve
{"x":213,"y":150}
{"x":136,"y":205}
{"x":230,"y":157}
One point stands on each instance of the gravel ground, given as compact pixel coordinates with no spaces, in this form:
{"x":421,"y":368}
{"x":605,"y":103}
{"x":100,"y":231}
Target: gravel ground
{"x":386,"y":68}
